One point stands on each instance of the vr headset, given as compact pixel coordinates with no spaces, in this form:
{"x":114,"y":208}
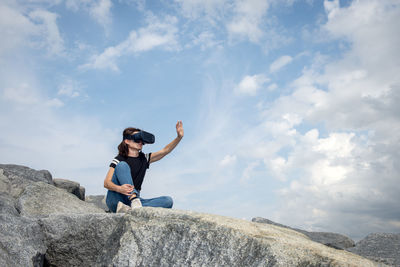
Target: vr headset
{"x":144,"y":137}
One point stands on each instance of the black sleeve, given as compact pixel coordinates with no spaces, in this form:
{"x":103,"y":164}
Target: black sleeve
{"x":148,"y":157}
{"x":115,"y":161}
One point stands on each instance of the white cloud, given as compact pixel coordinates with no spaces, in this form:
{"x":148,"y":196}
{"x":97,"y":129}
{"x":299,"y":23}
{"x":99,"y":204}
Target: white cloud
{"x":247,"y":19}
{"x":15,"y":28}
{"x":346,"y":179}
{"x":248,"y":172}
{"x":71,"y":88}
{"x":55,"y":102}
{"x":280,"y":63}
{"x":38,"y":137}
{"x":195,"y":9}
{"x":99,"y":10}
{"x":21,"y":94}
{"x":227,"y":160}
{"x":49,"y":30}
{"x":205,"y":40}
{"x":38,"y":29}
{"x":158,"y":34}
{"x":250,"y":85}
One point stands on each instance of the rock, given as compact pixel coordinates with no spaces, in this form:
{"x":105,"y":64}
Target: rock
{"x":41,"y":199}
{"x":333,"y":240}
{"x":82,"y":239}
{"x":164,"y":237}
{"x":99,"y":201}
{"x":11,"y":170}
{"x":71,"y":187}
{"x":21,"y":239}
{"x":81,"y":193}
{"x":14,"y":178}
{"x":380,"y":247}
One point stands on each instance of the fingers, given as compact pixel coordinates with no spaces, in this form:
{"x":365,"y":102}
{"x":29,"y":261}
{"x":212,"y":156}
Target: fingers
{"x":127,"y":189}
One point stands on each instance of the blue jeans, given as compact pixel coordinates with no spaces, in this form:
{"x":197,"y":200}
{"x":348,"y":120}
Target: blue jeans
{"x":122,"y":175}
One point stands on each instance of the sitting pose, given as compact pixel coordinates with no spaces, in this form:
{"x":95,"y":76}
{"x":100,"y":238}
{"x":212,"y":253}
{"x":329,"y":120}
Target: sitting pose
{"x":127,"y":170}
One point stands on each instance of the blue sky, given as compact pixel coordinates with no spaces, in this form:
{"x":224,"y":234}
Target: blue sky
{"x":289,"y":107}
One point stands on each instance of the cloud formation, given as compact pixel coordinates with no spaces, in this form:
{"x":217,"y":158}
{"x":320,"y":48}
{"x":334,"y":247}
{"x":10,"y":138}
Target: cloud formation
{"x":247,"y":19}
{"x":157,"y":34}
{"x":280,"y":63}
{"x":250,"y":85}
{"x":343,"y":187}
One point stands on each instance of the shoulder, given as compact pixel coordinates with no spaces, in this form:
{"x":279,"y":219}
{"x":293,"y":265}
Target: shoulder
{"x":117,"y":160}
{"x":146,"y":157}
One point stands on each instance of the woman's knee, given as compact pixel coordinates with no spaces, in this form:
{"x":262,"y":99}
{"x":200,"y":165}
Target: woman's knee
{"x":122,"y":165}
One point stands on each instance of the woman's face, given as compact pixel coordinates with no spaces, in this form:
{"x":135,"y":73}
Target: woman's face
{"x":133,"y":145}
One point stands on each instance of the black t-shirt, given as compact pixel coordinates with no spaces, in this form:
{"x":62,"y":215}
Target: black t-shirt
{"x":138,"y":166}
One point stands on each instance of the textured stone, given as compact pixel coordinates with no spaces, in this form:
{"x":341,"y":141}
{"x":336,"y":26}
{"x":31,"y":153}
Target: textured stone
{"x":70,"y":186}
{"x":334,"y":240}
{"x":27,"y":173}
{"x":380,"y":247}
{"x":98,"y":200}
{"x":82,"y":239}
{"x":41,"y":199}
{"x":14,"y":178}
{"x":164,"y":237}
{"x":21,"y":239}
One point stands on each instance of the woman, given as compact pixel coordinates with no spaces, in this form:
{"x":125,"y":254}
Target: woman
{"x":127,"y":170}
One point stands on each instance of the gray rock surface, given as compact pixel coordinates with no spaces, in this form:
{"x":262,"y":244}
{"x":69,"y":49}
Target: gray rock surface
{"x":334,"y":240}
{"x":381,"y":247}
{"x":82,"y":239}
{"x":70,"y":186}
{"x":41,"y":199}
{"x":21,"y":239}
{"x":163,"y":237}
{"x":98,"y":200}
{"x":42,"y":225}
{"x":14,"y":178}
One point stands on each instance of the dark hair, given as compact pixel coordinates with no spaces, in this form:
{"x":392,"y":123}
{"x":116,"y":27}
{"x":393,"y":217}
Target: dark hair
{"x":123,"y":149}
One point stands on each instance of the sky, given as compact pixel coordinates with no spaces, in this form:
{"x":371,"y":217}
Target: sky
{"x":290,"y":108}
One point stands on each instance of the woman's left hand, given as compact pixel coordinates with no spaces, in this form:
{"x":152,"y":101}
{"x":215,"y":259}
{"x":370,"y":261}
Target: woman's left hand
{"x":179,"y":129}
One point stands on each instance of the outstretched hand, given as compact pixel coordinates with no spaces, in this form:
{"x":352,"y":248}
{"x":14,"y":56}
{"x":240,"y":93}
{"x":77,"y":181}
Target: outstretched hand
{"x":179,"y":129}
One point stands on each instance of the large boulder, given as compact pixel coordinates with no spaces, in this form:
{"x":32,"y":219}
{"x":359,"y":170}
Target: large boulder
{"x":70,"y":186}
{"x":334,"y":240}
{"x":12,"y":171}
{"x":14,"y":178}
{"x":21,"y":238}
{"x":82,"y":239}
{"x":381,"y":247}
{"x":41,"y":199}
{"x":164,"y":237}
{"x":98,"y":200}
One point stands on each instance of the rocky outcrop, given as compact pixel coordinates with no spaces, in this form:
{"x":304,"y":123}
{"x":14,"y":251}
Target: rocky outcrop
{"x":41,"y":199}
{"x":46,"y":226}
{"x":380,"y":247}
{"x":162,"y":237}
{"x":71,"y":187}
{"x":334,"y":240}
{"x":14,"y":178}
{"x":21,"y":238}
{"x":99,"y":201}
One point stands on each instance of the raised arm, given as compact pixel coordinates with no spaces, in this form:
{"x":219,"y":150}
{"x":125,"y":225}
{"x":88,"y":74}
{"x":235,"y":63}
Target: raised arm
{"x":168,"y":148}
